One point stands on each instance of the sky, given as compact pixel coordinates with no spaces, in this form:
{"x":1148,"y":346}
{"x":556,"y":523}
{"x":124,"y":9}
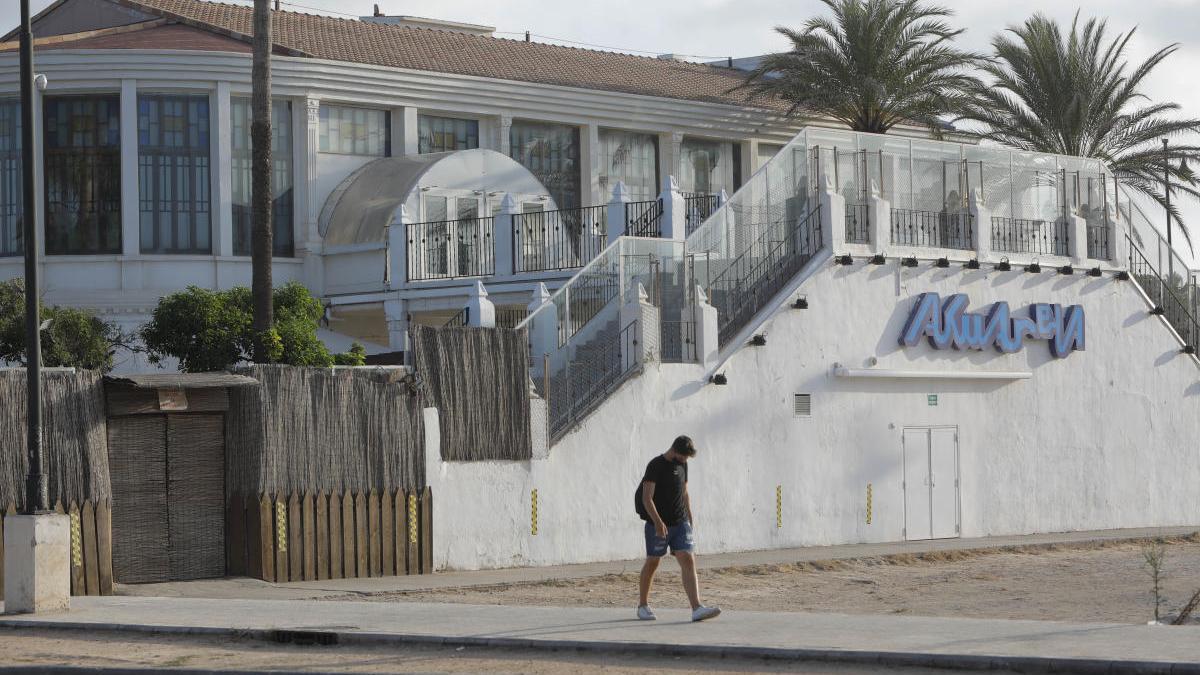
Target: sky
{"x":721,"y":28}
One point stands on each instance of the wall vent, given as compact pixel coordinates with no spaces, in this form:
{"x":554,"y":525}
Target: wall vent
{"x":802,"y":406}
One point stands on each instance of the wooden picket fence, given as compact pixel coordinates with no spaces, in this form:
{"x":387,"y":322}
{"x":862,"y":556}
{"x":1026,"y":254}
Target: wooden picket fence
{"x":91,"y":546}
{"x":307,"y":537}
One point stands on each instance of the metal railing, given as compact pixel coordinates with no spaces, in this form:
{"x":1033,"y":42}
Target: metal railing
{"x":1099,"y":237}
{"x":678,"y":342}
{"x":460,"y":319}
{"x":449,"y":249}
{"x":933,"y":229}
{"x":558,"y":240}
{"x":858,"y":224}
{"x":598,"y":367}
{"x":509,"y":318}
{"x":697,"y":207}
{"x":644,"y":219}
{"x":762,"y":270}
{"x":1169,"y":295}
{"x":1015,"y":235}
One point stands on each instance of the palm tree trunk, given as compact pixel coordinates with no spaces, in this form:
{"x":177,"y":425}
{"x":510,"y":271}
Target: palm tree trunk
{"x":260,"y":181}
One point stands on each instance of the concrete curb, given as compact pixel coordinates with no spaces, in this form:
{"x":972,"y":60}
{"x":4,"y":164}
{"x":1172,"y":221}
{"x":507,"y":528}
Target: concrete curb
{"x":838,"y":656}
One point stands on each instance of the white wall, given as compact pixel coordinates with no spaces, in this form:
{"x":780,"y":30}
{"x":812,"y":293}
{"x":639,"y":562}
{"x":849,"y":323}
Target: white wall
{"x":1101,"y":439}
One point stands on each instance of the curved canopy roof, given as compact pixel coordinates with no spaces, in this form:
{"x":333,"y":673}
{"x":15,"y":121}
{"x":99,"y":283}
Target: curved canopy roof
{"x":360,"y":209}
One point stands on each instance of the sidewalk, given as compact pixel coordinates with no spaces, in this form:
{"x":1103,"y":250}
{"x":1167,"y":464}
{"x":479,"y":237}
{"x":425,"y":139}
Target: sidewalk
{"x":886,"y":640}
{"x":253,"y":589}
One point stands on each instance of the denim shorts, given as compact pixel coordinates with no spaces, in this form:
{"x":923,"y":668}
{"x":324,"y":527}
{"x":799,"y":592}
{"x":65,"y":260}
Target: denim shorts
{"x":679,"y":538}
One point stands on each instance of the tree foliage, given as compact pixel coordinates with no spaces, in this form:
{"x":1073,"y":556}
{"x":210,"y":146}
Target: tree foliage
{"x":1077,"y":94}
{"x":872,"y":65}
{"x":213,"y":330}
{"x":71,"y":337}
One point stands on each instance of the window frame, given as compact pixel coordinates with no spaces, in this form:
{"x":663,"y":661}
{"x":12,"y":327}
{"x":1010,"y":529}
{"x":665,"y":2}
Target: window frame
{"x":186,"y":165}
{"x":358,"y":120}
{"x":104,"y":174}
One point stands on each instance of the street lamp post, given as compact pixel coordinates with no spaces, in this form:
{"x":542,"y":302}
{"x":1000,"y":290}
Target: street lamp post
{"x":37,"y":496}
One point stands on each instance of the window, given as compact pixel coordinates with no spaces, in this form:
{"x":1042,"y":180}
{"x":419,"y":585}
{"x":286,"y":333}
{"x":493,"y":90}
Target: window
{"x":551,"y":153}
{"x":765,"y":152}
{"x":82,"y":167}
{"x":631,"y":158}
{"x":173,"y":174}
{"x":11,"y":175}
{"x":701,"y":168}
{"x":283,"y":241}
{"x":444,"y":134}
{"x":354,"y":131}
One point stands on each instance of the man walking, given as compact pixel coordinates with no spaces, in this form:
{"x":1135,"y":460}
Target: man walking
{"x":662,"y":501}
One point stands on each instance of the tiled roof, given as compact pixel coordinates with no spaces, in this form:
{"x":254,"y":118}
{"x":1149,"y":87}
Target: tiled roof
{"x":445,"y":51}
{"x":148,"y":35}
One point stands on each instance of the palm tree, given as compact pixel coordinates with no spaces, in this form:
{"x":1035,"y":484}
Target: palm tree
{"x":872,"y":65}
{"x":260,"y":183}
{"x":1078,"y":95}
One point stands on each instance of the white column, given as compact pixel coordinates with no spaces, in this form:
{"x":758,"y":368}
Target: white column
{"x":306,"y":143}
{"x":309,"y":168}
{"x":745,"y":151}
{"x":981,"y":222}
{"x":131,"y":235}
{"x":833,"y":212}
{"x":674,"y":217}
{"x":589,"y":164}
{"x":397,"y":253}
{"x":504,"y":134}
{"x":481,"y":312}
{"x":708,"y":345}
{"x":1078,"y":242}
{"x":405,"y":131}
{"x":669,"y":148}
{"x":395,"y":312}
{"x":222,"y":171}
{"x":503,"y":237}
{"x":880,"y":221}
{"x":616,"y":211}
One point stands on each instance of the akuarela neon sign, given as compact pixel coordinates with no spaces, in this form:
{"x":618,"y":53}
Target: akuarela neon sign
{"x":948,"y":325}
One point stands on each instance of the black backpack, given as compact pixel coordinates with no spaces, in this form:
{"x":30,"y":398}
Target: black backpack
{"x":637,"y":503}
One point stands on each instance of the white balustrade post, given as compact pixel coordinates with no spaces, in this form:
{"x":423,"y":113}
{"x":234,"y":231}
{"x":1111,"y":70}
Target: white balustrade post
{"x":504,"y":237}
{"x":981,"y":223}
{"x":708,"y":346}
{"x":833,"y":211}
{"x":397,"y":253}
{"x":543,"y":328}
{"x":640,"y":317}
{"x":880,"y":221}
{"x":1078,"y":242}
{"x":616,"y":211}
{"x":674,"y":217}
{"x":481,"y":312}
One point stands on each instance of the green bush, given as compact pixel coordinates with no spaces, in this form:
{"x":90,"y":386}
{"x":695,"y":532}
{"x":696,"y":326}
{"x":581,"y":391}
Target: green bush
{"x":70,"y":337}
{"x":213,"y":330}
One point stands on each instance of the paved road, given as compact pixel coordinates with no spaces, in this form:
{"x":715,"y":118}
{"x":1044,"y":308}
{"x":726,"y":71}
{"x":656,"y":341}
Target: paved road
{"x":898,"y":640}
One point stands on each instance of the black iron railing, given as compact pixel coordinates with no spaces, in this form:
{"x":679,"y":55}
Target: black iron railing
{"x":462,"y":318}
{"x":509,"y":318}
{"x":933,"y":229}
{"x":558,"y":240}
{"x":448,"y":249}
{"x":1099,"y":238}
{"x":1016,"y":235}
{"x":1170,"y":295}
{"x":598,"y":368}
{"x":858,"y":224}
{"x":697,"y":207}
{"x":762,"y":270}
{"x":593,"y":290}
{"x":644,"y":219}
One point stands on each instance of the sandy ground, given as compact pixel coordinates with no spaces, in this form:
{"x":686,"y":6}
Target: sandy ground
{"x":22,"y":649}
{"x":1090,"y":583}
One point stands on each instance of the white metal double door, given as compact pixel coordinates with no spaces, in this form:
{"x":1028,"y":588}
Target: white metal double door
{"x":931,"y":502}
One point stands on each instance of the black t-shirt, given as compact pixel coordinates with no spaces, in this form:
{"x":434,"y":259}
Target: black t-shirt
{"x":669,"y":480}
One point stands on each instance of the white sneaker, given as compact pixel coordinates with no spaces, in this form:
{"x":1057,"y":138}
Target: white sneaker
{"x":646,"y":614}
{"x":702,"y":613}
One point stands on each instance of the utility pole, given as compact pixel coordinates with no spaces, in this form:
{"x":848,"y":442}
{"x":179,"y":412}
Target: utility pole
{"x":37,"y":495}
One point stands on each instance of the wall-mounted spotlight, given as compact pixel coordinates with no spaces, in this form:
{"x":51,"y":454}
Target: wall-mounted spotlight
{"x":1188,"y":349}
{"x":801,"y":302}
{"x":844,"y":259}
{"x":1003,"y":265}
{"x":878,"y":259}
{"x":942,"y":262}
{"x":1033,"y":267}
{"x":1066,"y":270}
{"x":1095,"y":272}
{"x":1122,"y":276}
{"x":908,"y":262}
{"x":972,"y":264}
{"x":719,"y":378}
{"x":759,"y":340}
{"x":1158,"y":310}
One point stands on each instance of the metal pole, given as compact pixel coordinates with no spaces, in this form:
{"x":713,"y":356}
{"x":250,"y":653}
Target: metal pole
{"x":1167,"y":194}
{"x":37,"y":493}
